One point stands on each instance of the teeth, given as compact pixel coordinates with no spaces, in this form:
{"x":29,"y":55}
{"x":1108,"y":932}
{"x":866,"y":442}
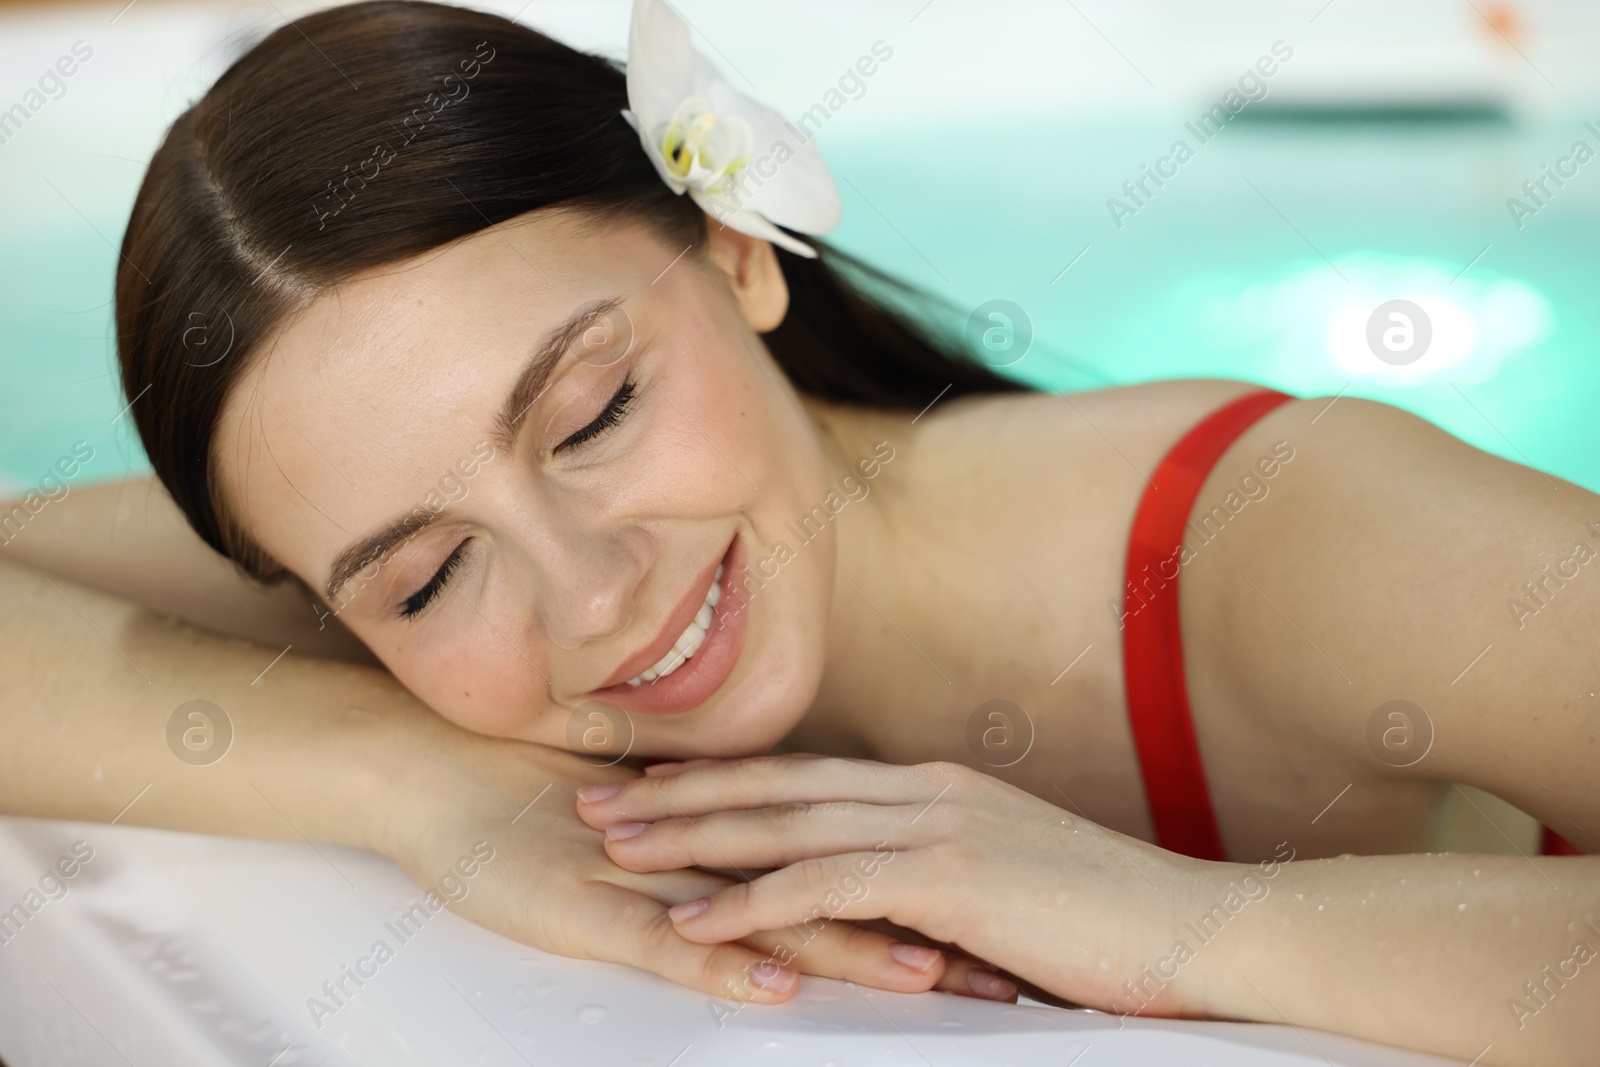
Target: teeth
{"x":688,"y":642}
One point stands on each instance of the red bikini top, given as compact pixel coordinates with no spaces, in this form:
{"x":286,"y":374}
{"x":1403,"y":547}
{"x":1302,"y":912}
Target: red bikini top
{"x":1152,"y":647}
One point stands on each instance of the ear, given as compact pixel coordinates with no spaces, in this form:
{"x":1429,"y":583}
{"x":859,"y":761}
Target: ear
{"x":751,"y":265}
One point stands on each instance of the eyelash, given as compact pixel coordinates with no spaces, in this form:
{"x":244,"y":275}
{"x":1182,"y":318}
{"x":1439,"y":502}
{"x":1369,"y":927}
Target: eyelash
{"x":613,"y":413}
{"x":608,"y":418}
{"x":414,"y":603}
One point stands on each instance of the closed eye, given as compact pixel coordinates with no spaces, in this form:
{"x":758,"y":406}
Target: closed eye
{"x":413,"y":604}
{"x":609,"y":417}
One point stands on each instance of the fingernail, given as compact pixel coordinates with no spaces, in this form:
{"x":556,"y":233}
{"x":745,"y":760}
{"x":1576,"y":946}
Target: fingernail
{"x":621,"y":831}
{"x":917,"y":957}
{"x":989,"y":985}
{"x":593,"y":794}
{"x":679,"y":912}
{"x":779,"y":981}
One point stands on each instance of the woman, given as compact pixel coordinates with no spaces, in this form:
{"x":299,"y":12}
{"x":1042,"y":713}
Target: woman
{"x":586,"y":470}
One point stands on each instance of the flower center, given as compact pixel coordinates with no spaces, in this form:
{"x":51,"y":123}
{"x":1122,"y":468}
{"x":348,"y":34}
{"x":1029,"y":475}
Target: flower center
{"x":701,"y":150}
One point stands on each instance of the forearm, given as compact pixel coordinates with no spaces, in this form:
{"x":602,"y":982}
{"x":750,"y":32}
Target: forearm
{"x":1430,"y":952}
{"x":321,"y":750}
{"x":130,"y":540}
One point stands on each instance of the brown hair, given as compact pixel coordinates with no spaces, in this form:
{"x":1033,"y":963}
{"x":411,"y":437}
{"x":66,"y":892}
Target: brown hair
{"x":370,"y":133}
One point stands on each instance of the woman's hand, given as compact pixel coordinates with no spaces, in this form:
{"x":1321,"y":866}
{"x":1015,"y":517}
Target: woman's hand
{"x":549,"y":883}
{"x":939,"y":848}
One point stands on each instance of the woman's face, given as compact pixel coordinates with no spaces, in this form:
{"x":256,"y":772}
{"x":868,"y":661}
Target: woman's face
{"x":514,"y":465}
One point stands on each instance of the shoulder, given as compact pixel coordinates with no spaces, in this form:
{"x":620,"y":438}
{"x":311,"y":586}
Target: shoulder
{"x":1140,"y":421}
{"x":1387,"y":563}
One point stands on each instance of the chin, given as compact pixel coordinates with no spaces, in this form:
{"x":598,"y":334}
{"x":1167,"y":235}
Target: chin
{"x":760,"y":710}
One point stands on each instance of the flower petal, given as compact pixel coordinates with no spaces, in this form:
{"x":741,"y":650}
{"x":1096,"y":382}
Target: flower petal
{"x":792,"y":187}
{"x":758,"y":171}
{"x":662,"y":63}
{"x":748,"y":222}
{"x":661,"y":165}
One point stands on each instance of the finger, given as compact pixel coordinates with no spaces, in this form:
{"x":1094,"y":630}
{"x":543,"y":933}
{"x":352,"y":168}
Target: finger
{"x":623,"y":926}
{"x":831,"y":888}
{"x":665,"y":767}
{"x":750,"y":783}
{"x":891,"y":958}
{"x":969,"y":978}
{"x":844,"y":951}
{"x":963,"y":975}
{"x":760,"y":837}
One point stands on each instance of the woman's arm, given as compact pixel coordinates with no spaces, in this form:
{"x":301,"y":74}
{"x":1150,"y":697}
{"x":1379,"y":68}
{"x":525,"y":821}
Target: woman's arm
{"x":1495,"y":959}
{"x":90,"y":684}
{"x":128,"y":538}
{"x":97,"y":724}
{"x":1394,"y":562}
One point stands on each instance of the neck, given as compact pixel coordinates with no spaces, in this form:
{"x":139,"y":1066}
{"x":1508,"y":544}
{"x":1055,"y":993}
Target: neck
{"x":873,"y":621}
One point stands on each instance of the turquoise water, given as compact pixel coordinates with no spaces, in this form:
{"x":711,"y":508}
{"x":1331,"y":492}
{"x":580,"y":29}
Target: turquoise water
{"x":1259,"y":259}
{"x":1225,"y":270}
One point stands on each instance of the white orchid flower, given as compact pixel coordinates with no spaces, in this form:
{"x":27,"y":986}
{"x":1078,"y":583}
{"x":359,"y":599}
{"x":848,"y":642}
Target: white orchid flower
{"x":703,"y":135}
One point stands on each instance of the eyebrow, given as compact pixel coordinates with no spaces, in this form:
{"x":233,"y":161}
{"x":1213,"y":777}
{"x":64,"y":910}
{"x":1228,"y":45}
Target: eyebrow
{"x":525,"y":391}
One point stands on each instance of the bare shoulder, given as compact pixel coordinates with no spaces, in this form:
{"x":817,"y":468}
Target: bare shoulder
{"x":1127,"y":427}
{"x":1388,"y":561}
{"x":1156,"y":409}
{"x":1063,"y":467}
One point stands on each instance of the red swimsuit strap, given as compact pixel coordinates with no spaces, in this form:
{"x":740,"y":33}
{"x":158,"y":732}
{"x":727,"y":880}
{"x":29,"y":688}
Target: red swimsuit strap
{"x":1553,"y":844}
{"x":1152,"y":647}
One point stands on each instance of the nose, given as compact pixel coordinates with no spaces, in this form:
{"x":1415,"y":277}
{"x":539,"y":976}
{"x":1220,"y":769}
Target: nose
{"x":591,"y":579}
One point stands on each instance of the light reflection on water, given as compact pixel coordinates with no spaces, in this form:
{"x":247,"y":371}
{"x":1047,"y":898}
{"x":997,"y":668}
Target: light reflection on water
{"x":1263,"y":257}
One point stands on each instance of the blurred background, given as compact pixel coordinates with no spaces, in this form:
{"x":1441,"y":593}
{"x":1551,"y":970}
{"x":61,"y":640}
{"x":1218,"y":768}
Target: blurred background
{"x":1378,"y":151}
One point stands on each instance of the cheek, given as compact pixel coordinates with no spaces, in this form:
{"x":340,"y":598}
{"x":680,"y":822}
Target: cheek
{"x":714,"y":436}
{"x":473,"y":679}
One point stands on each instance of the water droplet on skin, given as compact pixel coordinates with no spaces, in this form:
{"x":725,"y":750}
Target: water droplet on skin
{"x":590,"y":1014}
{"x":1321,"y":906}
{"x":1461,"y":907}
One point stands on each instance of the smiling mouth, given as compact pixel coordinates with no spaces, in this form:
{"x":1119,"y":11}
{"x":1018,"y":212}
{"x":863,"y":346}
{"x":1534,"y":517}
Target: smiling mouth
{"x":688,"y":642}
{"x":703,"y":652}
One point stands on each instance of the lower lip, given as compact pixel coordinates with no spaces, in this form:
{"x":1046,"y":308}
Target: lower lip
{"x":693,"y":683}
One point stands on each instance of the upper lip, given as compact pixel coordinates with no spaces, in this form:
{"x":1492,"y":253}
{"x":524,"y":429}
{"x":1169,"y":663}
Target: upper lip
{"x":677,"y":621}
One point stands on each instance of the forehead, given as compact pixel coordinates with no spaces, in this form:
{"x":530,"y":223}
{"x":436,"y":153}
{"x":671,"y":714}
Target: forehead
{"x":351,"y":405}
